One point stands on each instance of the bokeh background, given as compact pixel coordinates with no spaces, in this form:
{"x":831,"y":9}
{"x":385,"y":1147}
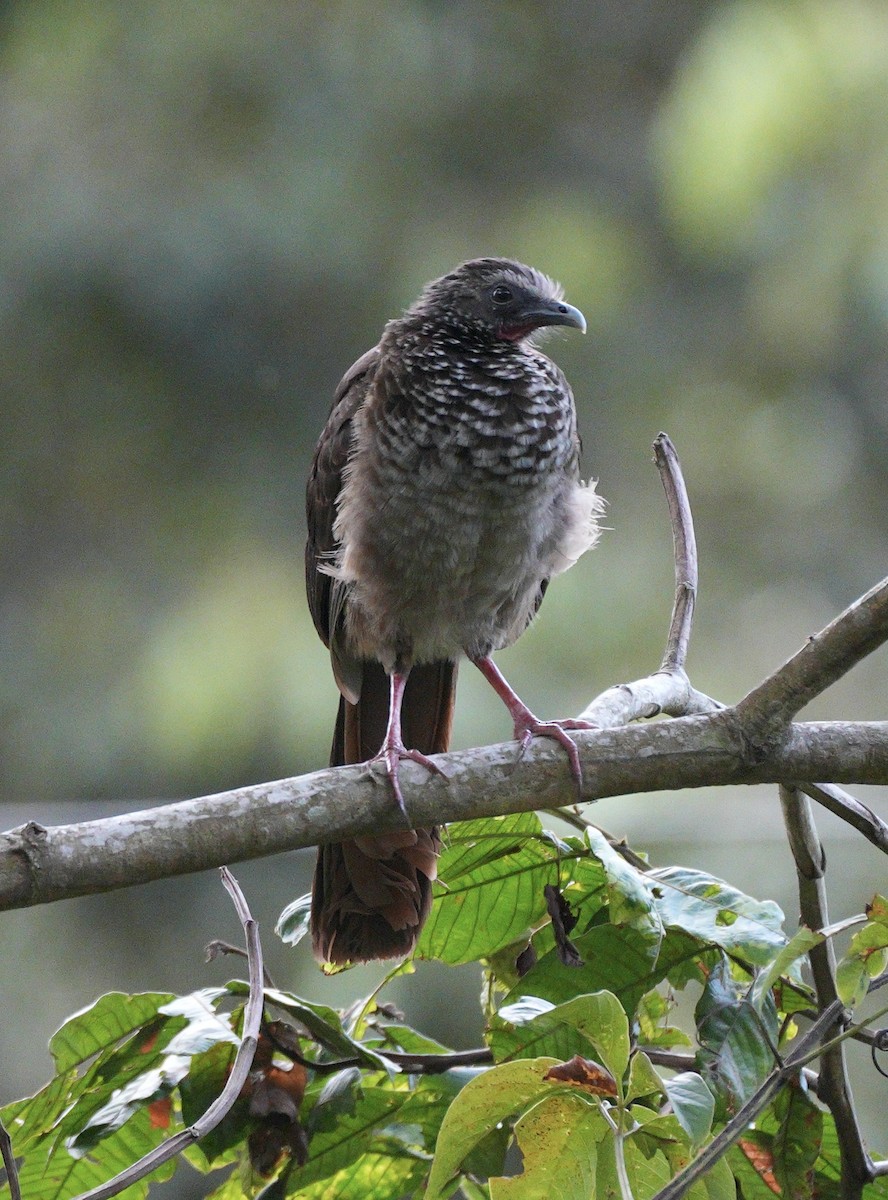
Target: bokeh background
{"x":209,"y":208}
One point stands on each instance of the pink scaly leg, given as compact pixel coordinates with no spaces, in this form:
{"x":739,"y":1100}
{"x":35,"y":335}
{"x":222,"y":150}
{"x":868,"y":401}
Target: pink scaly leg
{"x":527,"y":725}
{"x":393,"y":751}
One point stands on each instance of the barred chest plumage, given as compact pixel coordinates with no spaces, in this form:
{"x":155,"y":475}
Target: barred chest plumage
{"x":458,"y":498}
{"x":485,"y":416}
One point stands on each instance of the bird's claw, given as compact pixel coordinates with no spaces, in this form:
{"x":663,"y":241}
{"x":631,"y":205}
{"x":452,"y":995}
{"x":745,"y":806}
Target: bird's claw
{"x":391,"y":756}
{"x":530,"y":727}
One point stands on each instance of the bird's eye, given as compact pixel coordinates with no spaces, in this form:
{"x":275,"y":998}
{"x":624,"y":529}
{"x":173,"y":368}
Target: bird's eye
{"x":501,"y":295}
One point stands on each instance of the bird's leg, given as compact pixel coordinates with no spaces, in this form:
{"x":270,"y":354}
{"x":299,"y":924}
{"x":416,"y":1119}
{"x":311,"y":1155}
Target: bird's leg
{"x":393,"y":749}
{"x":527,"y":725}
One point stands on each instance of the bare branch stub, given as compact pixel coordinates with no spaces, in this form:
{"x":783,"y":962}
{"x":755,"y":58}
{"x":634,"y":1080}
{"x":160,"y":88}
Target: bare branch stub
{"x":685,"y":554}
{"x":240,"y":1069}
{"x":668,"y":690}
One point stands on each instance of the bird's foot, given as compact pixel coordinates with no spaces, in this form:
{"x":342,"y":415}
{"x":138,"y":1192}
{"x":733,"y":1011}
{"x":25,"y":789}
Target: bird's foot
{"x":527,"y":727}
{"x":391,"y":756}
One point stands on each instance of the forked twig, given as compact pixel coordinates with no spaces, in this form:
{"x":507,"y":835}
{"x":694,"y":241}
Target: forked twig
{"x":239,"y":1071}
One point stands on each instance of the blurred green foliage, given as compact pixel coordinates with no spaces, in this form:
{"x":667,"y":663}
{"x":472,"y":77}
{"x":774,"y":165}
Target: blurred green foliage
{"x":209,"y":209}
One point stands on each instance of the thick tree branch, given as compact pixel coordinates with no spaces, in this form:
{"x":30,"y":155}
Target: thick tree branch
{"x":39,"y":865}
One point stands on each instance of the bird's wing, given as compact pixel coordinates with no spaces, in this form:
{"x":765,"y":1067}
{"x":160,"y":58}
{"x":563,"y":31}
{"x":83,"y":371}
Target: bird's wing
{"x":326,"y":595}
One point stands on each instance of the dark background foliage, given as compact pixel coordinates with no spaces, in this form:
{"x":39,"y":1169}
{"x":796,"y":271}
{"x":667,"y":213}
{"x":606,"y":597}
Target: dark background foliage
{"x":208,"y":210}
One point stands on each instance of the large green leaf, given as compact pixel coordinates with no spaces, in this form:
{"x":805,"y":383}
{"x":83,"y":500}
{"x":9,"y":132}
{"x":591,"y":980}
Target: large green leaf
{"x":57,"y":1176}
{"x":621,"y":960}
{"x":587,"y":1025}
{"x":493,"y":1097}
{"x":490,"y":890}
{"x":693,"y":1104}
{"x":145,"y":1066}
{"x":629,"y":893}
{"x":340,"y":1136}
{"x":734,"y":1055}
{"x":376,"y":1174}
{"x":111,"y":1018}
{"x":558,"y":1139}
{"x":796,"y":1142}
{"x":715,"y":912}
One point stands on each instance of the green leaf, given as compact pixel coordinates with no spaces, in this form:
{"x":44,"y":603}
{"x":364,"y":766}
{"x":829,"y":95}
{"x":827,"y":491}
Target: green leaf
{"x":867,"y":955}
{"x":647,"y":1173}
{"x":375,"y":1174}
{"x":734,"y":1055}
{"x":802,"y":942}
{"x":341,"y":1137}
{"x":395,"y":1036}
{"x":852,"y":981}
{"x":630,"y":896}
{"x":796,"y":1142}
{"x":559,"y":1140}
{"x":751,"y":1184}
{"x":58,"y":1175}
{"x":718,"y":1183}
{"x":693,"y":1105}
{"x":490,"y":890}
{"x":112,"y":1017}
{"x":125,"y":1101}
{"x":651,"y":1014}
{"x":621,"y":960}
{"x":643,"y":1078}
{"x":491,"y":1098}
{"x":200,"y":1087}
{"x":295,"y":921}
{"x":715,"y":912}
{"x":591,"y":1023}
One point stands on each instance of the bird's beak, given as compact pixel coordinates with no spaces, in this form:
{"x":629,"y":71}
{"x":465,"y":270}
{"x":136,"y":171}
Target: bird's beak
{"x":557,"y":313}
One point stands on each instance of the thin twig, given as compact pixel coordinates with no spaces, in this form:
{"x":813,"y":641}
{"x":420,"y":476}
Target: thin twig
{"x":239,"y":1071}
{"x":15,"y":1192}
{"x":685,"y":554}
{"x":412,"y":1064}
{"x":218,"y":948}
{"x":847,"y":807}
{"x":835,"y":1087}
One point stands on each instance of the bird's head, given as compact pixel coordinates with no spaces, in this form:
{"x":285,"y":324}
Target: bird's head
{"x":495,"y":299}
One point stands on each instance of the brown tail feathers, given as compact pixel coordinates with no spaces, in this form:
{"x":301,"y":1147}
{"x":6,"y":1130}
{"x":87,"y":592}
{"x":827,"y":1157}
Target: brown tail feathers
{"x":371,"y":896}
